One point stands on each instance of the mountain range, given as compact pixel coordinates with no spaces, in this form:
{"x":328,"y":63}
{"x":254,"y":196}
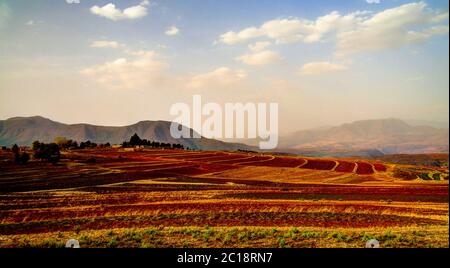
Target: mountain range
{"x":25,"y":130}
{"x":368,"y":138}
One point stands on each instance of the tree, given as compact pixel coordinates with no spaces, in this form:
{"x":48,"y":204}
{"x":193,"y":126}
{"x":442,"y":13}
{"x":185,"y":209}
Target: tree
{"x":49,"y":152}
{"x":24,"y":158}
{"x":54,"y":153}
{"x":36,"y":145}
{"x":135,"y":140}
{"x":15,"y":149}
{"x":21,"y":158}
{"x":75,"y":145}
{"x":61,"y":141}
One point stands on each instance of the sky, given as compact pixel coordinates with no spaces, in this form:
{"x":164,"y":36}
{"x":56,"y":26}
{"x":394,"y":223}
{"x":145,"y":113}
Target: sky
{"x":324,"y":62}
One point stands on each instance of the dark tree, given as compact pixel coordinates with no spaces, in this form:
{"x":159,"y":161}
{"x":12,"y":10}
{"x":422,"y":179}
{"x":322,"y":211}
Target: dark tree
{"x":49,"y":152}
{"x":24,"y":158}
{"x":36,"y":145}
{"x":135,"y":140}
{"x":15,"y":149}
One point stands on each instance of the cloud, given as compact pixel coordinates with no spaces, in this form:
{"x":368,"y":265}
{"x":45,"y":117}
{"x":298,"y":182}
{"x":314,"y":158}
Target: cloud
{"x":142,"y":71}
{"x":354,"y":32}
{"x":259,"y":46}
{"x":373,"y":1}
{"x":291,"y":30}
{"x":106,"y":44}
{"x":321,"y":67}
{"x":219,"y":78}
{"x":5,"y":14}
{"x":172,"y":31}
{"x":231,"y":38}
{"x":393,"y":28}
{"x":33,"y":22}
{"x":111,"y":12}
{"x":260,"y":58}
{"x":72,"y":1}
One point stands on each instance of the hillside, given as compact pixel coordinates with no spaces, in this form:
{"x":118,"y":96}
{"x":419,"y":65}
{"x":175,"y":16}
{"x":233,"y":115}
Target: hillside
{"x":25,"y":130}
{"x":387,"y":136}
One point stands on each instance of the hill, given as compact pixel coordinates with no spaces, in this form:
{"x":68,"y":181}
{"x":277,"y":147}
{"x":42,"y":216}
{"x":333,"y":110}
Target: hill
{"x":387,"y":136}
{"x":25,"y":130}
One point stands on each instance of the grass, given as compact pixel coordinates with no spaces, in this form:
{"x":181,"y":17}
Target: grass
{"x":241,"y":237}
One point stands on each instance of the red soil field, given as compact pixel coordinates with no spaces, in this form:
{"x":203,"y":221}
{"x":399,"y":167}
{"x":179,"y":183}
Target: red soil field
{"x":256,"y":160}
{"x":175,"y":188}
{"x":229,"y":158}
{"x":319,"y":164}
{"x":193,"y":156}
{"x":308,"y":219}
{"x":235,"y":160}
{"x":380,"y":167}
{"x":345,"y":167}
{"x":230,"y":206}
{"x":281,"y":162}
{"x":364,"y":168}
{"x":198,"y":169}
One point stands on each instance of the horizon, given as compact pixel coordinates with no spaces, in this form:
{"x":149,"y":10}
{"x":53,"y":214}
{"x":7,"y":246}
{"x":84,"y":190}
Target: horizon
{"x":409,"y":122}
{"x":325,"y":63}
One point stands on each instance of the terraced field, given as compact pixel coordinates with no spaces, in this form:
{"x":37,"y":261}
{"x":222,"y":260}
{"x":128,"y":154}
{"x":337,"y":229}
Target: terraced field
{"x":174,"y":198}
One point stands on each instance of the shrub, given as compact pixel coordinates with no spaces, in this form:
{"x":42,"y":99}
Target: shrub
{"x":49,"y":152}
{"x":281,"y":242}
{"x":113,"y":243}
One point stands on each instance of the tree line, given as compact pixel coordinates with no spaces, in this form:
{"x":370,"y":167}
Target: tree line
{"x":51,"y":152}
{"x":135,"y":140}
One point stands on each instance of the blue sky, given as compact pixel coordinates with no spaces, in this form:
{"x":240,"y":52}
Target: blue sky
{"x":324,"y":62}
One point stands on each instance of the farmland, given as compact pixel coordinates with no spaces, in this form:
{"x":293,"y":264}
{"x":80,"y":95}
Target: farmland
{"x":177,"y":198}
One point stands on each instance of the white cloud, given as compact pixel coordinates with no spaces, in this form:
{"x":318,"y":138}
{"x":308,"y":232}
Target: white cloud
{"x":232,"y":38}
{"x":143,"y":71}
{"x":393,"y":28}
{"x":259,"y":46}
{"x":106,"y":44}
{"x":354,"y":32}
{"x":293,"y":29}
{"x":321,"y":67}
{"x":72,"y":1}
{"x":264,"y":57}
{"x":219,"y":78}
{"x":33,"y":22}
{"x":111,"y":12}
{"x":373,"y":1}
{"x":173,"y":30}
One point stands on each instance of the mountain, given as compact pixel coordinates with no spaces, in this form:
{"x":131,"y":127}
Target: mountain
{"x":435,"y":124}
{"x":368,"y":138}
{"x":25,"y":130}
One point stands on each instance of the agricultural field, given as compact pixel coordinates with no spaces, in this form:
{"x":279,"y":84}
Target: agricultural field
{"x":177,"y":198}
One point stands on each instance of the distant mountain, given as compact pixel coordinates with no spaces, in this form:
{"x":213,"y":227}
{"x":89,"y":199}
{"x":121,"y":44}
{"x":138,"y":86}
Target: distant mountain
{"x":368,"y":138}
{"x":435,"y":124}
{"x":25,"y":130}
